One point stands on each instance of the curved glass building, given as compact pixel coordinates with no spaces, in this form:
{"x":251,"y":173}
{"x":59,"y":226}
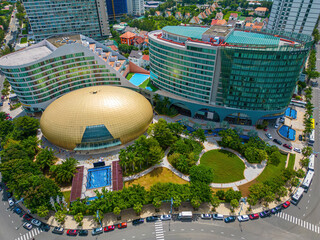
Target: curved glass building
{"x":96,"y":117}
{"x":229,"y":74}
{"x":45,"y":71}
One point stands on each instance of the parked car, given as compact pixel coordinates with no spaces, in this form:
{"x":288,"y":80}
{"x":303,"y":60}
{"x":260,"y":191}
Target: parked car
{"x":151,"y":219}
{"x":9,"y":194}
{"x":277,"y":141}
{"x":137,"y":221}
{"x":300,"y":137}
{"x":276,"y":126}
{"x":58,"y":230}
{"x":265,"y":129}
{"x":298,"y":150}
{"x":264,"y":214}
{"x":254,"y":216}
{"x":109,"y":228}
{"x":27,"y":226}
{"x":97,"y":231}
{"x":269,"y":135}
{"x":11,"y":202}
{"x":83,"y":233}
{"x":35,"y":222}
{"x":286,"y":204}
{"x":27,"y":217}
{"x":243,"y":218}
{"x":165,"y":217}
{"x":276,"y":209}
{"x":45,"y":227}
{"x":1,"y":104}
{"x":217,"y":216}
{"x":72,"y":232}
{"x":282,"y":119}
{"x":287,"y":146}
{"x":229,"y":219}
{"x":122,"y":225}
{"x":17,"y":210}
{"x":206,"y":216}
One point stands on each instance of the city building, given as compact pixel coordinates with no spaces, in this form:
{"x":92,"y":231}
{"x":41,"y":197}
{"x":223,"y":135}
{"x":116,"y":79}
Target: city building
{"x":195,"y":20}
{"x":297,"y":16}
{"x":219,"y":16}
{"x":135,"y":7}
{"x":55,"y":66}
{"x":50,"y":17}
{"x":127,"y":38}
{"x":261,"y":11}
{"x":136,"y":58}
{"x":116,"y":8}
{"x":96,"y":117}
{"x":226,"y":74}
{"x":151,"y":4}
{"x":218,"y":22}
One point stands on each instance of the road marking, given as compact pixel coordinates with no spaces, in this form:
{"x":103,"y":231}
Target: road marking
{"x":159,"y":230}
{"x":29,"y":235}
{"x":299,"y":222}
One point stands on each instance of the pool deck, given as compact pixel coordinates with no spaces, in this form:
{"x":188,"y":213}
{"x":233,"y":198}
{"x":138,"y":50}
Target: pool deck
{"x":138,"y":78}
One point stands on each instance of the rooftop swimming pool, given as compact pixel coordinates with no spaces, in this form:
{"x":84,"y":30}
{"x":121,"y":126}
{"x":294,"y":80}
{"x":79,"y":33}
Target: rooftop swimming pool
{"x":138,"y":78}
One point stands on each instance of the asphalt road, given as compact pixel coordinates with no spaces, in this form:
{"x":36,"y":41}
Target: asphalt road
{"x":13,"y":29}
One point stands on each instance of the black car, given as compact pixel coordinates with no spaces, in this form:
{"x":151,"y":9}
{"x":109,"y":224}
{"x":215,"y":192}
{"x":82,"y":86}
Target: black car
{"x":45,"y":227}
{"x":152,"y":219}
{"x":137,"y":221}
{"x":58,"y":230}
{"x":229,"y":219}
{"x":83,"y":232}
{"x":277,"y":141}
{"x":265,"y":214}
{"x":276,"y":209}
{"x":9,"y":194}
{"x":300,"y":137}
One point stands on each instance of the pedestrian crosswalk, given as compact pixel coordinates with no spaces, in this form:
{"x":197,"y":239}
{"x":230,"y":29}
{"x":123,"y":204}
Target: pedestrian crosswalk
{"x":159,"y":230}
{"x":29,"y":235}
{"x":300,"y":222}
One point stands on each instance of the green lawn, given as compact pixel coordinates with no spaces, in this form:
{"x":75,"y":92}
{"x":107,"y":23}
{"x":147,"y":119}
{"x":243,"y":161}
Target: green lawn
{"x":23,"y":40}
{"x":272,"y":171}
{"x":24,"y":31}
{"x":67,"y":196}
{"x":129,"y":75}
{"x":292,"y":159}
{"x":227,"y":167}
{"x":147,"y":83}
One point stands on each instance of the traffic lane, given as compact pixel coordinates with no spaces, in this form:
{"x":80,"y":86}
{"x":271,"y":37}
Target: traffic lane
{"x":251,"y":230}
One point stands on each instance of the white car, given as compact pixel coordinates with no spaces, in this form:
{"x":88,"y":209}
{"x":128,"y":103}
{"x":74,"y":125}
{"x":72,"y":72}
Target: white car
{"x":165,"y":217}
{"x":243,"y":218}
{"x":276,"y":126}
{"x":298,"y":150}
{"x":27,"y":226}
{"x":35,"y":222}
{"x":217,"y":216}
{"x":269,"y":135}
{"x":206,"y":216}
{"x":11,"y":202}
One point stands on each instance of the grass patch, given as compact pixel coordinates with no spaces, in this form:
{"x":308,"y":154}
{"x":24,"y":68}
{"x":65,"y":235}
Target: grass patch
{"x":67,"y":196}
{"x":23,"y":40}
{"x":227,"y":167}
{"x":24,"y":31}
{"x":147,"y":83}
{"x":129,"y":76}
{"x":292,"y":160}
{"x":272,"y":171}
{"x":160,"y":174}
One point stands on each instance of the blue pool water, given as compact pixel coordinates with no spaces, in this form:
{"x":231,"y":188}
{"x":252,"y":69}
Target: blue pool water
{"x":99,"y":177}
{"x":287,"y":132}
{"x":138,"y":78}
{"x":291,"y":113}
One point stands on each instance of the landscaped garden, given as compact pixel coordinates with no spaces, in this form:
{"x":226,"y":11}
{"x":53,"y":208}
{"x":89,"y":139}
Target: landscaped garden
{"x":227,"y":167}
{"x":23,"y":40}
{"x":160,"y":174}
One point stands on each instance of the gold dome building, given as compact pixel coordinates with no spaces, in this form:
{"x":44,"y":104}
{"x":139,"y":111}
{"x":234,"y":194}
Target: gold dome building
{"x":95,"y":118}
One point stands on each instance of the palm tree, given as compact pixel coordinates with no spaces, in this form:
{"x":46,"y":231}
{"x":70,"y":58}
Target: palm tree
{"x":239,"y":130}
{"x":185,"y":121}
{"x":252,"y":133}
{"x":156,"y":99}
{"x":139,"y":160}
{"x":210,"y":125}
{"x":225,"y":124}
{"x":42,"y":211}
{"x":166,"y":102}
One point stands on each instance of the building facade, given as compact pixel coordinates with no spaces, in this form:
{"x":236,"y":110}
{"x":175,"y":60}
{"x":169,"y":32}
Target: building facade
{"x":53,"y":67}
{"x":116,"y":8}
{"x":297,"y":16}
{"x":135,"y":7}
{"x":52,"y":17}
{"x":236,"y":75}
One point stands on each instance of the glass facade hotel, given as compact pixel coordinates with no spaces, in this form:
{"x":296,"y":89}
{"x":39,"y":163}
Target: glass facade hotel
{"x":220,"y":68}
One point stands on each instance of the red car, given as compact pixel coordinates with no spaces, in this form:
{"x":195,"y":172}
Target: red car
{"x":27,"y":217}
{"x":286,"y":204}
{"x":72,"y":232}
{"x":265,"y":129}
{"x":254,"y":216}
{"x":287,"y":146}
{"x":109,"y":228}
{"x":122,"y":225}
